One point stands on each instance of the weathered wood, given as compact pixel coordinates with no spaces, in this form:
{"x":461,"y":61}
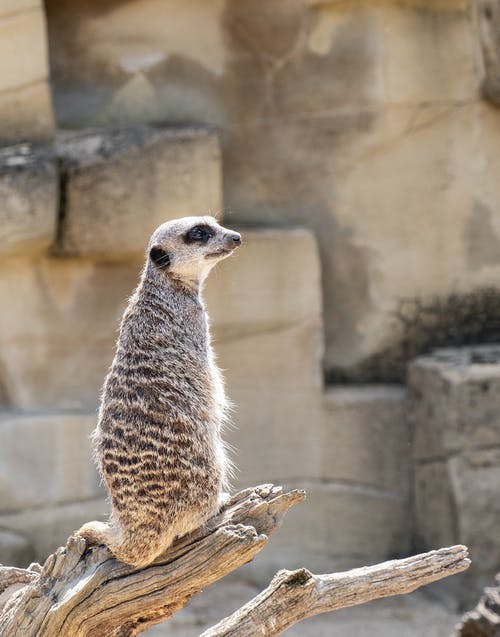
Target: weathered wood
{"x":83,"y":593}
{"x":295,"y":595}
{"x":484,"y":619}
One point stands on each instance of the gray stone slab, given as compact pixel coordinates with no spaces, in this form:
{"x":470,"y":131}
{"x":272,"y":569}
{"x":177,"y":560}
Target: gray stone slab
{"x":366,"y":437}
{"x":28,"y":199}
{"x":455,"y":400}
{"x":46,"y":459}
{"x":48,"y":527}
{"x":15,"y":549}
{"x":119,"y":185}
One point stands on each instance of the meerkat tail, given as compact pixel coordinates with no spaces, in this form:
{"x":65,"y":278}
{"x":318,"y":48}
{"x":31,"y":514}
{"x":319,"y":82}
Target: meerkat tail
{"x":96,"y":533}
{"x":137,"y":549}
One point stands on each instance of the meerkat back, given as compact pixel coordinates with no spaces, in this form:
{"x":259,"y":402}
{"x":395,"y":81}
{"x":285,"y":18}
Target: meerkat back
{"x":158,"y":440}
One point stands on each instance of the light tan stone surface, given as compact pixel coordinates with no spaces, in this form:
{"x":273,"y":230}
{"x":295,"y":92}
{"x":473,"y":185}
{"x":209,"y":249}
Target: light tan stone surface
{"x":58,"y":330}
{"x":120,"y":185}
{"x":454,"y":407}
{"x":29,"y":187}
{"x":25,"y":103}
{"x":15,"y":549}
{"x":411,"y":615}
{"x":338,"y":527}
{"x":46,"y":459}
{"x":49,"y":526}
{"x":360,"y":120}
{"x":265,"y":307}
{"x":456,"y":401}
{"x":366,"y":439}
{"x":273,"y":281}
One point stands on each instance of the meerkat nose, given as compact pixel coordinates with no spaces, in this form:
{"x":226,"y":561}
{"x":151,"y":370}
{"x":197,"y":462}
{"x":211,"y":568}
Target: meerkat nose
{"x":232,"y":240}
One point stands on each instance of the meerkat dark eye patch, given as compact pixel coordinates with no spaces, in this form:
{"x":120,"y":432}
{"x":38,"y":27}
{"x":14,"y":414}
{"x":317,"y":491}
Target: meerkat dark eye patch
{"x":200,"y":234}
{"x":159,"y":257}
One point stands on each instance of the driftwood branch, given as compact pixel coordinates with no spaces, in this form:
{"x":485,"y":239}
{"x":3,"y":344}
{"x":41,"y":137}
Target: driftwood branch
{"x":484,"y":619}
{"x":295,"y":595}
{"x":81,"y":592}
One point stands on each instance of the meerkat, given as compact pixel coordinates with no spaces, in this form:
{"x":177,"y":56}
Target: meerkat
{"x":158,"y":440}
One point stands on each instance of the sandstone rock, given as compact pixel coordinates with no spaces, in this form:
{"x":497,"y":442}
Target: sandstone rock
{"x":304,"y":143}
{"x":456,"y":400}
{"x":366,"y":437}
{"x":435,"y":506}
{"x":475,"y":479}
{"x":265,"y":306}
{"x":46,"y":459}
{"x":28,"y":199}
{"x":266,"y":284}
{"x":457,"y":503}
{"x":273,"y":381}
{"x":26,"y":113}
{"x":457,"y":447}
{"x":339,"y":526}
{"x":15,"y":549}
{"x":25,"y":106}
{"x":49,"y":527}
{"x":58,"y":331}
{"x":120,"y":185}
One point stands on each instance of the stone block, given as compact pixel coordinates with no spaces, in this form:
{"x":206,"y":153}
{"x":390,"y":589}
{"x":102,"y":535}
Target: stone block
{"x":457,"y":503}
{"x":25,"y":104}
{"x":455,"y":400}
{"x":23,"y":48}
{"x":265,"y":306}
{"x":455,"y":409}
{"x":47,"y":528}
{"x":338,"y":527}
{"x":264,"y":286}
{"x":28,"y":199}
{"x":366,"y":437}
{"x":121,"y":184}
{"x":435,"y":506}
{"x":46,"y":459}
{"x":26,"y":113}
{"x":16,"y":6}
{"x":58,"y":330}
{"x":15,"y":549}
{"x":274,"y":382}
{"x":475,"y":480}
{"x":412,"y":39}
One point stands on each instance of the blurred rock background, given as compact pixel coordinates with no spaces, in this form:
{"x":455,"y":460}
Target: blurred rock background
{"x":356,"y":145}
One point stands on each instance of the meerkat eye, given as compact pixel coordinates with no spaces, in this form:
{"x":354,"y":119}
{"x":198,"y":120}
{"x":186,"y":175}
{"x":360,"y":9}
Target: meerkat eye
{"x":159,"y":257}
{"x":199,"y":233}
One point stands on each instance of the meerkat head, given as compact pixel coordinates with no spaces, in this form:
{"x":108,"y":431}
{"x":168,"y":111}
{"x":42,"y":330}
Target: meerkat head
{"x":187,"y":249}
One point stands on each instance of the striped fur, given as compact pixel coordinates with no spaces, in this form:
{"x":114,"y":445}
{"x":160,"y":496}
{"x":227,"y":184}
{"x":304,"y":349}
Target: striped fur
{"x":158,"y":440}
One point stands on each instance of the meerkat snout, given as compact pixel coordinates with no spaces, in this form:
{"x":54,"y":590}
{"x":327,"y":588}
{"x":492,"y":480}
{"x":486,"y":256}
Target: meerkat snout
{"x":187,"y":249}
{"x":232,"y":240}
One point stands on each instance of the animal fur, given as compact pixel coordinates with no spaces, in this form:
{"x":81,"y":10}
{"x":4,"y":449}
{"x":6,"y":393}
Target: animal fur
{"x":158,"y":440}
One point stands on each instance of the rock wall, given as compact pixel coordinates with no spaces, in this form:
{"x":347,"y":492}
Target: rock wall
{"x":68,"y":260}
{"x":25,"y":101}
{"x":363,"y":121}
{"x":455,"y":409}
{"x":350,"y":143}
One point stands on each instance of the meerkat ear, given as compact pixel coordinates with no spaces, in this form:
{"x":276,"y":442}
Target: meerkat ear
{"x":159,"y":257}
